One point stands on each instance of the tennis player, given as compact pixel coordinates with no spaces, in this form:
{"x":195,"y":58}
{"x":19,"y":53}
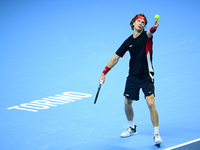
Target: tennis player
{"x":141,"y":73}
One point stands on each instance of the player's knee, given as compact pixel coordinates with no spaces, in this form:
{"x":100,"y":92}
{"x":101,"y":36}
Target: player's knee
{"x":128,"y":107}
{"x":151,"y":106}
{"x":127,"y":104}
{"x":150,"y":102}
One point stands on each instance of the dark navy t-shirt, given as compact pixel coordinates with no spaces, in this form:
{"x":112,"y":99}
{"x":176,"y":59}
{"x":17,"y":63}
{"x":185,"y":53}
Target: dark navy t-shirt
{"x":140,"y":50}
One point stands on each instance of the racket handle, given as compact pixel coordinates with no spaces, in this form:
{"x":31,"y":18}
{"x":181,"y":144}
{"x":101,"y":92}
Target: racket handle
{"x":101,"y":82}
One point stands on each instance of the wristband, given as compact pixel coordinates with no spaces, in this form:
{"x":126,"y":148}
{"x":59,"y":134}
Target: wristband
{"x":152,"y":30}
{"x":105,"y":71}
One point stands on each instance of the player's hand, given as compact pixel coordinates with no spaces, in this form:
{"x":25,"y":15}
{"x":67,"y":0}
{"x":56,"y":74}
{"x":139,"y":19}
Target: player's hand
{"x":156,"y":24}
{"x":102,"y":78}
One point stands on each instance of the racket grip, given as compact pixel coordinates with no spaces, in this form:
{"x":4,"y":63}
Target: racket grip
{"x":101,"y":82}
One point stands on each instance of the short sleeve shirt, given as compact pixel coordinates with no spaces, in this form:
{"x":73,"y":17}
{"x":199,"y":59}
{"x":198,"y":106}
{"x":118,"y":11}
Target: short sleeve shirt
{"x":140,"y":50}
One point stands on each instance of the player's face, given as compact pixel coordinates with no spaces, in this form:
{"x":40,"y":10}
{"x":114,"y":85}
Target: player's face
{"x":139,"y":24}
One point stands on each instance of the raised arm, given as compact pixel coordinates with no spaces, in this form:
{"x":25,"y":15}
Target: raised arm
{"x":110,"y":64}
{"x":153,"y":29}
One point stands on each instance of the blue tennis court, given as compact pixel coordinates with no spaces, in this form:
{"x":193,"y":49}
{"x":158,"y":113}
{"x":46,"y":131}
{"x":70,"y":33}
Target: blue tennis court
{"x":52,"y":54}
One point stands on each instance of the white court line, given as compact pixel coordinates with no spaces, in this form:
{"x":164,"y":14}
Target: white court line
{"x":183,"y":144}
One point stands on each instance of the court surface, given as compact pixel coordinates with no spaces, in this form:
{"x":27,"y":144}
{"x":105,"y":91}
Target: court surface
{"x":52,"y":54}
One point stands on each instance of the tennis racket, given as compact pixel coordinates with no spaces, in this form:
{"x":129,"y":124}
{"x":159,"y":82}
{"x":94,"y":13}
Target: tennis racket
{"x":98,"y":92}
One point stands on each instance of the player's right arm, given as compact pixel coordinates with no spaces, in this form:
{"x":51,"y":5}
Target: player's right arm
{"x":110,"y":64}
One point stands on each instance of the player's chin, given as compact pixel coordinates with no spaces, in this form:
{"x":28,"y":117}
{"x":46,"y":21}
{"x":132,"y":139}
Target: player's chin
{"x":139,"y":29}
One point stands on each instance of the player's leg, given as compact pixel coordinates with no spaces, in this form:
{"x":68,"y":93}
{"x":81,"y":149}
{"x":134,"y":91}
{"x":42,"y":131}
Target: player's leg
{"x":149,"y":91}
{"x":154,"y":118}
{"x":131,"y":93}
{"x":153,"y":110}
{"x":129,"y":115}
{"x":129,"y":109}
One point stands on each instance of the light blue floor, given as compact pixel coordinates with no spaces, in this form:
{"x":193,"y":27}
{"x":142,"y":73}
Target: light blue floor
{"x":39,"y":61}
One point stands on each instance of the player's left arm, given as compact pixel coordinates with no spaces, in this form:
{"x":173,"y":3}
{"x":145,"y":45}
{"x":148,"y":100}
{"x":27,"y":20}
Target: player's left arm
{"x":153,"y":29}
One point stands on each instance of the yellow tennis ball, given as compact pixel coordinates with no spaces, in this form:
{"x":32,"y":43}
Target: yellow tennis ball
{"x":157,"y":17}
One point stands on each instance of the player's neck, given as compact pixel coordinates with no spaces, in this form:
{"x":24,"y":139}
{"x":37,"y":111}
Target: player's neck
{"x":136,"y":33}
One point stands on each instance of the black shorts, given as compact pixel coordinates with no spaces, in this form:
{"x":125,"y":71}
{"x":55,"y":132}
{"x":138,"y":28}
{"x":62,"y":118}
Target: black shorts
{"x":134,"y":83}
